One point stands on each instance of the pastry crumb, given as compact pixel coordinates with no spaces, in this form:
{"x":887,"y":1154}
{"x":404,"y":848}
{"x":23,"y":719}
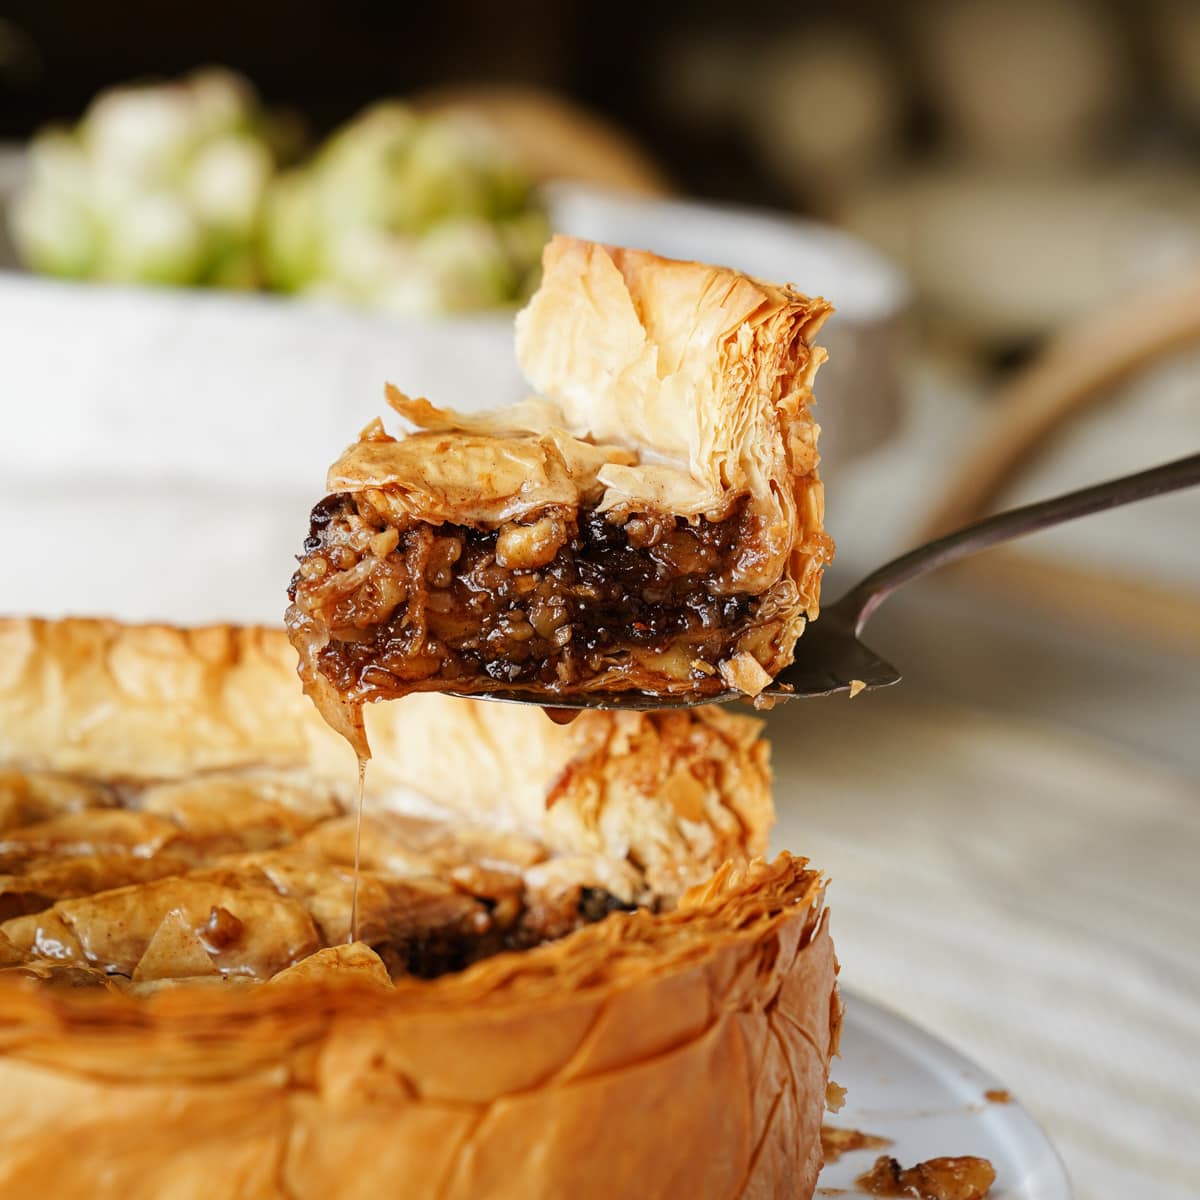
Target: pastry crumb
{"x":744,"y":673}
{"x":963,"y":1178}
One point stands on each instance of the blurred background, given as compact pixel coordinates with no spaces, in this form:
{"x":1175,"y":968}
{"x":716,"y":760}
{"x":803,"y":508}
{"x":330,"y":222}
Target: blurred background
{"x":207,"y":281}
{"x":1069,"y":129}
{"x":1017,"y":301}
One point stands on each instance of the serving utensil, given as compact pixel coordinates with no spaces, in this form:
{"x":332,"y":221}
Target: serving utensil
{"x":831,"y":658}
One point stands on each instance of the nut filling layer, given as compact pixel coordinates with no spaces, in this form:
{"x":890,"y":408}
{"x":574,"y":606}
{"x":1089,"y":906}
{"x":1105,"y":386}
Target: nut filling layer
{"x":560,"y":601}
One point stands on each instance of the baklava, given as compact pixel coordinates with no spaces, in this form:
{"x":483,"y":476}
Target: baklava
{"x":572,"y":975}
{"x":650,"y":520}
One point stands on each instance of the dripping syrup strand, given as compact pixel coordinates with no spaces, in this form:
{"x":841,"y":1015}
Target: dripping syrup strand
{"x":362,"y":787}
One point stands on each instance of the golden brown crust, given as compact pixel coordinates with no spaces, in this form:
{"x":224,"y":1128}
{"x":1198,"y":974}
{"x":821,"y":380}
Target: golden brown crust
{"x":677,"y":793}
{"x":482,"y":469}
{"x":681,"y":1052}
{"x":684,"y":1054}
{"x":701,"y":369}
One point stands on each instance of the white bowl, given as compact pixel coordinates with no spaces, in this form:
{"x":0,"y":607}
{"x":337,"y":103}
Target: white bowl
{"x":134,"y":417}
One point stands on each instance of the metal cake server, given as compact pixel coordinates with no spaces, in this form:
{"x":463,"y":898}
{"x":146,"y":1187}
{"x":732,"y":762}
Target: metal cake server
{"x":830,"y":657}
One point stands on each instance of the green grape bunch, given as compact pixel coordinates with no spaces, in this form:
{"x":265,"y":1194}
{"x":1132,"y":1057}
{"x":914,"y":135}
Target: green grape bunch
{"x":186,"y":183}
{"x":158,"y":183}
{"x":406,"y":213}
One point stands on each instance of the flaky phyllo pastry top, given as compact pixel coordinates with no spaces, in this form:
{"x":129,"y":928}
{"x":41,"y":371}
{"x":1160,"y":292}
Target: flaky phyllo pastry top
{"x":662,"y":386}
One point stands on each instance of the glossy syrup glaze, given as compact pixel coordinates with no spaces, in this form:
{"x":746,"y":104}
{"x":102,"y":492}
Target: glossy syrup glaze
{"x":554,"y":604}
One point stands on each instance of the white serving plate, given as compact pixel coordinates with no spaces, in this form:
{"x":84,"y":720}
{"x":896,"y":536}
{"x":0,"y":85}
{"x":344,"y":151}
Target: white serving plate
{"x":906,"y":1085}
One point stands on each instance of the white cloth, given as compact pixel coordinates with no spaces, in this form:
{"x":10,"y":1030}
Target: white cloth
{"x":1029,"y":896}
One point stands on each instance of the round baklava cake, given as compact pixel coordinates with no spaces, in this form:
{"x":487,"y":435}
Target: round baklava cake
{"x":571,"y":973}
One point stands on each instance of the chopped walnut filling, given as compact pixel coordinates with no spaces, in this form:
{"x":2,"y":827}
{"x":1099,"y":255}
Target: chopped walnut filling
{"x":567,"y":598}
{"x":239,"y":877}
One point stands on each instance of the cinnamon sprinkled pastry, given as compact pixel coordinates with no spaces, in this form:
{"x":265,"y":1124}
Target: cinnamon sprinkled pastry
{"x":651,"y":520}
{"x":574,"y":975}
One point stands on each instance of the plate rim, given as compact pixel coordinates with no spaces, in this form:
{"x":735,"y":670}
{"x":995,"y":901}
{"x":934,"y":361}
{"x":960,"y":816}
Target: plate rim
{"x":896,"y":1029}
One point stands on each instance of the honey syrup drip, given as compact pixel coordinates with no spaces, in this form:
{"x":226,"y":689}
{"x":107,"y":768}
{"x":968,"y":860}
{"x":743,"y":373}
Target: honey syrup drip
{"x":362,"y":788}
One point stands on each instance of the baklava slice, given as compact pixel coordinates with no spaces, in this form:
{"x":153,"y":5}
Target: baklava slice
{"x":570,"y":970}
{"x":650,"y":520}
